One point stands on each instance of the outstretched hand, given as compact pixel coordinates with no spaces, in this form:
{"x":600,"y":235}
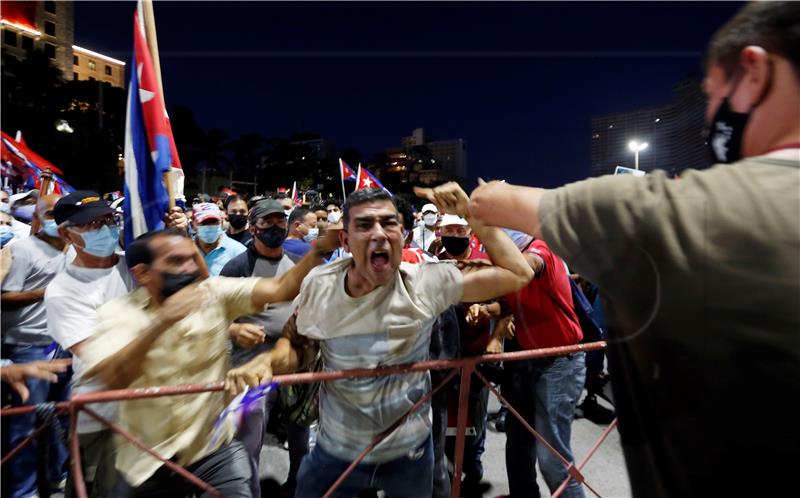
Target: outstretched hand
{"x":449,"y":198}
{"x":16,"y":374}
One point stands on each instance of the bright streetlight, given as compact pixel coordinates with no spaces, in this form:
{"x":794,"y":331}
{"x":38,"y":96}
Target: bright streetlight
{"x":637,"y":147}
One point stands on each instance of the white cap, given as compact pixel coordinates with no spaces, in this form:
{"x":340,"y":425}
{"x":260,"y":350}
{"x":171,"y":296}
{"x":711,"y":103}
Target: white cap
{"x":451,"y":219}
{"x":429,"y":207}
{"x":22,"y":195}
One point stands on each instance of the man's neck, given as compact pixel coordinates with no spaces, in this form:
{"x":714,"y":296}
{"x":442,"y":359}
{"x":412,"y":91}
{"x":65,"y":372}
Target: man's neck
{"x":207,"y":248}
{"x":355,"y":285}
{"x":86,"y":260}
{"x":294,"y":236}
{"x":52,"y":241}
{"x":233,"y":231}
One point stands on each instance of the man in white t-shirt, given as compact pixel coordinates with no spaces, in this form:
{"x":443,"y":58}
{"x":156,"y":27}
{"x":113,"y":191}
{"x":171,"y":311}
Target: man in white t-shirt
{"x":72,"y":299}
{"x":425,"y":232}
{"x":373,"y":310}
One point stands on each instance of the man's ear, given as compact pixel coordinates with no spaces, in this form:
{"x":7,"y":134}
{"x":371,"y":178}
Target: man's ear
{"x":141,"y":273}
{"x":343,"y":239}
{"x":755,"y":83}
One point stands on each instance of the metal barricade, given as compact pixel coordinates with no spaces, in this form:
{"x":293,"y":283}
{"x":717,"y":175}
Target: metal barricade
{"x":465,"y":366}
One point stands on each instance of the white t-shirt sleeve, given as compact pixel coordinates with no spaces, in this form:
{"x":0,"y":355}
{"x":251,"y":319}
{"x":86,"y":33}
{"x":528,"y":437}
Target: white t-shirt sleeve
{"x":439,"y":285}
{"x":70,"y":320}
{"x":15,"y":279}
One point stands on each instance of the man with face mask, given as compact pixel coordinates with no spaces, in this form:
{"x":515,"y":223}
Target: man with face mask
{"x":700,"y":276}
{"x":236,"y":207}
{"x":22,"y":208}
{"x":372,"y":310}
{"x":172,"y":330}
{"x":217,"y":248}
{"x":35,"y":261}
{"x":97,"y":275}
{"x":302,"y":230}
{"x":256,"y":334}
{"x":425,"y":232}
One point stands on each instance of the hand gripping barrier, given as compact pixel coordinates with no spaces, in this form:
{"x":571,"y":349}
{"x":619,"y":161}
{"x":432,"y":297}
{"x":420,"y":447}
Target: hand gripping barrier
{"x":465,"y":366}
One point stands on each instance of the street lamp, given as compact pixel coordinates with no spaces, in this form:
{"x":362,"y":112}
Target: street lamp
{"x":637,"y":147}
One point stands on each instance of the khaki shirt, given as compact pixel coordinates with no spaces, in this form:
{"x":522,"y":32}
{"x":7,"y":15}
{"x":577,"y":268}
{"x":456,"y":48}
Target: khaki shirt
{"x":702,"y":279}
{"x":193,"y":350}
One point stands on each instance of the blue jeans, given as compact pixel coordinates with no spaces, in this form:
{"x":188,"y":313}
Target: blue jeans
{"x":409,"y":476}
{"x":20,"y":477}
{"x":545,"y":392}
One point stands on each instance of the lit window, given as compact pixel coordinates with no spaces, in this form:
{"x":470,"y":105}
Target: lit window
{"x":657,"y":120}
{"x":50,"y":50}
{"x":50,"y":28}
{"x":108,"y":73}
{"x":595,"y":136}
{"x":92,"y":65}
{"x":610,"y":126}
{"x":9,"y":38}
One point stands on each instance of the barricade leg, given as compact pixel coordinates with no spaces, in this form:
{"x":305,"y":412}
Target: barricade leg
{"x":25,"y":442}
{"x":75,"y":453}
{"x":461,"y":427}
{"x":589,"y":455}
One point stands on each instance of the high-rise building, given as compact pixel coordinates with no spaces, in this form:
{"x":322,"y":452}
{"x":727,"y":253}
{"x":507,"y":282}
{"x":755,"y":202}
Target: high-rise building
{"x":421,"y":161}
{"x":673,"y":132}
{"x":49,"y":26}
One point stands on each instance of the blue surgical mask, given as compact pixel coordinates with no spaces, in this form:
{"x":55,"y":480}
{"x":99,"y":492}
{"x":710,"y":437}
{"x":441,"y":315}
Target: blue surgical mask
{"x":6,"y":234}
{"x":50,"y":228}
{"x":24,"y":213}
{"x":209,"y":233}
{"x":102,"y":242}
{"x":312,"y":234}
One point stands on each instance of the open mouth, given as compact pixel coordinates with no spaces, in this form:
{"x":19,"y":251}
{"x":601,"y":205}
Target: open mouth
{"x":379,"y":260}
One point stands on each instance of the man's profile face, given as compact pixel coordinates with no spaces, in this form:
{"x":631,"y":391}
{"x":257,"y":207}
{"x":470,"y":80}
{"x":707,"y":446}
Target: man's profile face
{"x":374,"y":236}
{"x":171,"y":254}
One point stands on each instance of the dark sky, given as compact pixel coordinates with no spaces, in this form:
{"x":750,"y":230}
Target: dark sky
{"x":518,"y":81}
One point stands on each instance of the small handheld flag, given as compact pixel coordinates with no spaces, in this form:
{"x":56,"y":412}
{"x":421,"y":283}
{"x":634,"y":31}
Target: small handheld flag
{"x":241,"y":405}
{"x":365,"y":179}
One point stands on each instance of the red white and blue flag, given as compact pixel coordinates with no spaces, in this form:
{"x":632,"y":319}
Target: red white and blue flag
{"x":150,"y":150}
{"x":24,"y":167}
{"x":295,"y":195}
{"x":346,"y":171}
{"x":365,"y":179}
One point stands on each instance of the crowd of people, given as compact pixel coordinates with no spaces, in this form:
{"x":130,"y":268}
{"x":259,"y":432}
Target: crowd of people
{"x":700,"y":280}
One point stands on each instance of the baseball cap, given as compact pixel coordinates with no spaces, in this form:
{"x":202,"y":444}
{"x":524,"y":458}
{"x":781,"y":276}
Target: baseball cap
{"x":22,"y":195}
{"x":429,"y":207}
{"x":80,"y":207}
{"x":451,"y":219}
{"x":206,"y":211}
{"x":265,"y":207}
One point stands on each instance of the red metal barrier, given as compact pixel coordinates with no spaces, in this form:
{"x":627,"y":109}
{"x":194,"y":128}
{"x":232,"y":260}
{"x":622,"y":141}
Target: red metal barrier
{"x":464,"y":366}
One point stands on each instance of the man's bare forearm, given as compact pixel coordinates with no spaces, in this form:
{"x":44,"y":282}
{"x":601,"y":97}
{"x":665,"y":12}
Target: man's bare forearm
{"x":284,"y":358}
{"x":502,"y":251}
{"x":119,"y":370}
{"x":16,"y":300}
{"x":511,"y":206}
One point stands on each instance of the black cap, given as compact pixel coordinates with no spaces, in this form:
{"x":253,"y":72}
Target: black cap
{"x":80,"y":207}
{"x":265,"y":207}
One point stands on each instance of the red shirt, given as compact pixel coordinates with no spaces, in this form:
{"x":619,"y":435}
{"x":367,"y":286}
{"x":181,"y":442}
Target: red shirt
{"x":543,"y":311}
{"x":413,"y":255}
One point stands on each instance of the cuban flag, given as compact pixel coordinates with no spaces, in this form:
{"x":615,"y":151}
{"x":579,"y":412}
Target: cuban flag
{"x":346,"y":171}
{"x":150,"y":150}
{"x":365,"y":179}
{"x":24,"y":167}
{"x":295,"y":195}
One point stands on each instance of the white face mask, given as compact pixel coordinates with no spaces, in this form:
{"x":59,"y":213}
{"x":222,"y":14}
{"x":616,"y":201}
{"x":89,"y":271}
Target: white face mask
{"x":312,"y":234}
{"x":334,"y":217}
{"x":430,"y":219}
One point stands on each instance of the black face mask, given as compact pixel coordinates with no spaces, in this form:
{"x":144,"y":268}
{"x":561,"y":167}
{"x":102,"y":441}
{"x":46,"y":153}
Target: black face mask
{"x":272,"y":237}
{"x":725,"y":133}
{"x":455,"y":246}
{"x":237,"y":221}
{"x":173,"y":282}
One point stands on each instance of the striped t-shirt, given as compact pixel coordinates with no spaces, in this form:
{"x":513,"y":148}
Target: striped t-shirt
{"x":389,"y":326}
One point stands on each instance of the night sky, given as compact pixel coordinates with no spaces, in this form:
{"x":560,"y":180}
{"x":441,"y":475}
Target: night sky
{"x":518,"y":81}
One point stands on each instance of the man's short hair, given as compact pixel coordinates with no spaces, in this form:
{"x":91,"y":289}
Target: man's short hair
{"x":139,"y":251}
{"x":772,"y":26}
{"x":407,"y":210}
{"x":317,"y":207}
{"x":298,"y":214}
{"x":231,"y":199}
{"x":333,"y":200}
{"x":364,"y":196}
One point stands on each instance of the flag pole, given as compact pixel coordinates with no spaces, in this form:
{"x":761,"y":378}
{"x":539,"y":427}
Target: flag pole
{"x":152,"y":44}
{"x":341,"y":177}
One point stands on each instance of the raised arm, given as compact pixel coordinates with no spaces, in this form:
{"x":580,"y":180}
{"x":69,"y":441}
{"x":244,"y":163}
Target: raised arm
{"x":505,"y":205}
{"x":510,"y":270}
{"x":287,"y":286}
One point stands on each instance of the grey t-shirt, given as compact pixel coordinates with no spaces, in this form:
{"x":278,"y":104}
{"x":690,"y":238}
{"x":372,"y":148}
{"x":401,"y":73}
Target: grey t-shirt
{"x":34,"y":263}
{"x":274,"y":315}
